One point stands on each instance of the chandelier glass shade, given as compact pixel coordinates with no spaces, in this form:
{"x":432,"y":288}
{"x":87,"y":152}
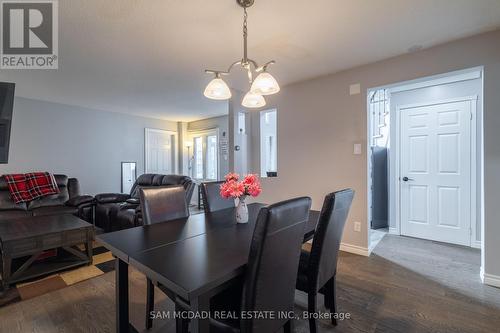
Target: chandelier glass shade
{"x":217,"y":89}
{"x":263,"y":84}
{"x":252,"y":100}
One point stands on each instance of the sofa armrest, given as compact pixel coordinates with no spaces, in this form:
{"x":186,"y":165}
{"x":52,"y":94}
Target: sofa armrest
{"x":133,"y":201}
{"x":80,"y":201}
{"x":111,"y":197}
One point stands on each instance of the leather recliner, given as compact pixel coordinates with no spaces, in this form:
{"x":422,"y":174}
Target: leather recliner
{"x":67,"y":201}
{"x":117,"y":211}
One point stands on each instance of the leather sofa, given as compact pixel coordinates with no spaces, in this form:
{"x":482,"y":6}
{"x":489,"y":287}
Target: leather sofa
{"x":68,"y":201}
{"x":117,"y":211}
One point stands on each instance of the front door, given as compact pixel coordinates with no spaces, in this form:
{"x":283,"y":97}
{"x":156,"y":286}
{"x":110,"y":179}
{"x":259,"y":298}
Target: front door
{"x":435,"y":172}
{"x":204,"y":163}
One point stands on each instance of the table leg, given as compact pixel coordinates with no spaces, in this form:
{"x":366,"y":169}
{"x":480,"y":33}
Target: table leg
{"x":201,"y":306}
{"x":6,"y":271}
{"x":89,"y":246}
{"x":122,"y":318}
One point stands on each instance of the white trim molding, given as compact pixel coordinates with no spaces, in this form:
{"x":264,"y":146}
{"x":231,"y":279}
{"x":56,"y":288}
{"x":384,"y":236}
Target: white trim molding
{"x":359,"y":250}
{"x":440,"y":80}
{"x":428,"y":81}
{"x":491,"y":280}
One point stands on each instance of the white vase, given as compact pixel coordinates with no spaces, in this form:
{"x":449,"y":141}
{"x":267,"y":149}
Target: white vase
{"x":242,"y":210}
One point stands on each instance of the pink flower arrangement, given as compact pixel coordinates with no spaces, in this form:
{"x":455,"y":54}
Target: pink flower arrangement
{"x":233,"y":188}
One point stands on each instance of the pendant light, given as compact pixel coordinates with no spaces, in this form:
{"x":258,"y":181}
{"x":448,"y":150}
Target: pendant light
{"x":252,"y":100}
{"x":263,"y":84}
{"x":217,"y":89}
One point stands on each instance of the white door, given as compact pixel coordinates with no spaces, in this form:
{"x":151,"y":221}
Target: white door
{"x":160,"y":151}
{"x":435,"y":172}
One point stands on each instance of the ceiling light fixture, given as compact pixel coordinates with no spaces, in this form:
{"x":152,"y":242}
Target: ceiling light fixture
{"x":263,"y":84}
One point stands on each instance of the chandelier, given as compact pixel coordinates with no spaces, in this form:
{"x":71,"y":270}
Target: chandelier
{"x":263,"y":84}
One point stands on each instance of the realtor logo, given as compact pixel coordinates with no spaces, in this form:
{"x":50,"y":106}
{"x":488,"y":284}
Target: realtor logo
{"x":29,"y":34}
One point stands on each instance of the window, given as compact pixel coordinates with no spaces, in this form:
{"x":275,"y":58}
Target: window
{"x":205,"y":165}
{"x":211,"y":157}
{"x":268,"y":144}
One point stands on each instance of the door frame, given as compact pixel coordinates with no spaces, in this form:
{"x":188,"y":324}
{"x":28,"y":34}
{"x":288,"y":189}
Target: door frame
{"x":175,"y":145}
{"x":478,"y":134}
{"x":395,"y":181}
{"x":205,"y":132}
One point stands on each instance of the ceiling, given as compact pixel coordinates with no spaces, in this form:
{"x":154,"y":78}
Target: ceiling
{"x":146,"y":57}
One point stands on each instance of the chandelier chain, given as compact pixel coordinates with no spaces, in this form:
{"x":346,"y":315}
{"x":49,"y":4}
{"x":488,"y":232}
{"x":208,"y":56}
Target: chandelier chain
{"x":245,"y":36}
{"x":245,"y":17}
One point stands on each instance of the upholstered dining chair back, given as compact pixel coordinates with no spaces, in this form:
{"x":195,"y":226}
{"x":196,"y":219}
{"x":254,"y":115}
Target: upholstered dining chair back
{"x":326,"y":242}
{"x":273,"y":262}
{"x":212,"y":200}
{"x":163,"y":204}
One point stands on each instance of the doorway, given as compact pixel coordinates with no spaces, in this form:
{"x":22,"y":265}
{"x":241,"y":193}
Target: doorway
{"x":204,"y":163}
{"x":425,"y":161}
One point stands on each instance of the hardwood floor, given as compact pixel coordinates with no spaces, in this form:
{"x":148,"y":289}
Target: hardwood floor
{"x":406,"y":285}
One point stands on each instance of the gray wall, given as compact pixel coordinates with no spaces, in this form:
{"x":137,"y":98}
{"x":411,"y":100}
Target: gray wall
{"x":436,"y":93}
{"x":83,"y":143}
{"x":318,"y":123}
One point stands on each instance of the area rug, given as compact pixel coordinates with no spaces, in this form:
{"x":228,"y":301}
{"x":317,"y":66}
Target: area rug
{"x":102,"y":262}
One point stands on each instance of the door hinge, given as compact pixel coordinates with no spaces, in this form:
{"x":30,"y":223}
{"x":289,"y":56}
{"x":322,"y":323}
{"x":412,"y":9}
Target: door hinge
{"x":471,"y":116}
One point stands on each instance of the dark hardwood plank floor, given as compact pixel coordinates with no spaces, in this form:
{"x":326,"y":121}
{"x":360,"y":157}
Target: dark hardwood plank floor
{"x":406,"y":285}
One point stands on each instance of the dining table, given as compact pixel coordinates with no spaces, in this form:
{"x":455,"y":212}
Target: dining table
{"x":195,"y":258}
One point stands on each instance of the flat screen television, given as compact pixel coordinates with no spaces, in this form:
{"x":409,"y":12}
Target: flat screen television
{"x":6,"y":108}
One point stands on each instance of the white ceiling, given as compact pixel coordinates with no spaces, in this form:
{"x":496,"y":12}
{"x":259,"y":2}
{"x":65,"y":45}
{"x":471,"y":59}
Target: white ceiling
{"x":147,"y":57}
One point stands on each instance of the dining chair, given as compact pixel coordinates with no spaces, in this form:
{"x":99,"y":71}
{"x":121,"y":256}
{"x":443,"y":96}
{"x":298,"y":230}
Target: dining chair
{"x":158,"y":205}
{"x":318,"y":268}
{"x":163,"y":204}
{"x":212,"y":200}
{"x":268,"y":283}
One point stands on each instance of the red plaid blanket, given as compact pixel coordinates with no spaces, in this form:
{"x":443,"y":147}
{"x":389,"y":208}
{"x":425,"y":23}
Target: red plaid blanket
{"x":30,"y":186}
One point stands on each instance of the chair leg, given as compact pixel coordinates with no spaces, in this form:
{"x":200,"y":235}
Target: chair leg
{"x":328,"y":297}
{"x":331,"y":298}
{"x":181,"y":325}
{"x":150,"y":303}
{"x":288,"y":328}
{"x":311,"y":307}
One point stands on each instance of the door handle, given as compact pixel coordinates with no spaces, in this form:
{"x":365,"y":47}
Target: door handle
{"x":405,"y":179}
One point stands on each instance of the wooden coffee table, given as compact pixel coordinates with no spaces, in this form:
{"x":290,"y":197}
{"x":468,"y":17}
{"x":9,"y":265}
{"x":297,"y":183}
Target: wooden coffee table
{"x":23,"y":240}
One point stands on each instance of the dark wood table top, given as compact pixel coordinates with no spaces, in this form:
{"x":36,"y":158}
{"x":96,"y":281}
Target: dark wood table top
{"x":190,"y":256}
{"x":126,"y":242}
{"x":26,"y":227}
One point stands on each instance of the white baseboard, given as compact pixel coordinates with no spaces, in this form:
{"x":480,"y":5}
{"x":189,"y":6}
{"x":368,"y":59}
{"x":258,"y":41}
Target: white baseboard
{"x":362,"y":251}
{"x":476,"y":244}
{"x":491,"y":280}
{"x":393,"y":231}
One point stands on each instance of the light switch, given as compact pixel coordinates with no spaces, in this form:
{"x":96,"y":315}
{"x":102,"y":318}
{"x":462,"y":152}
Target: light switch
{"x":357,"y":149}
{"x":354,"y":89}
